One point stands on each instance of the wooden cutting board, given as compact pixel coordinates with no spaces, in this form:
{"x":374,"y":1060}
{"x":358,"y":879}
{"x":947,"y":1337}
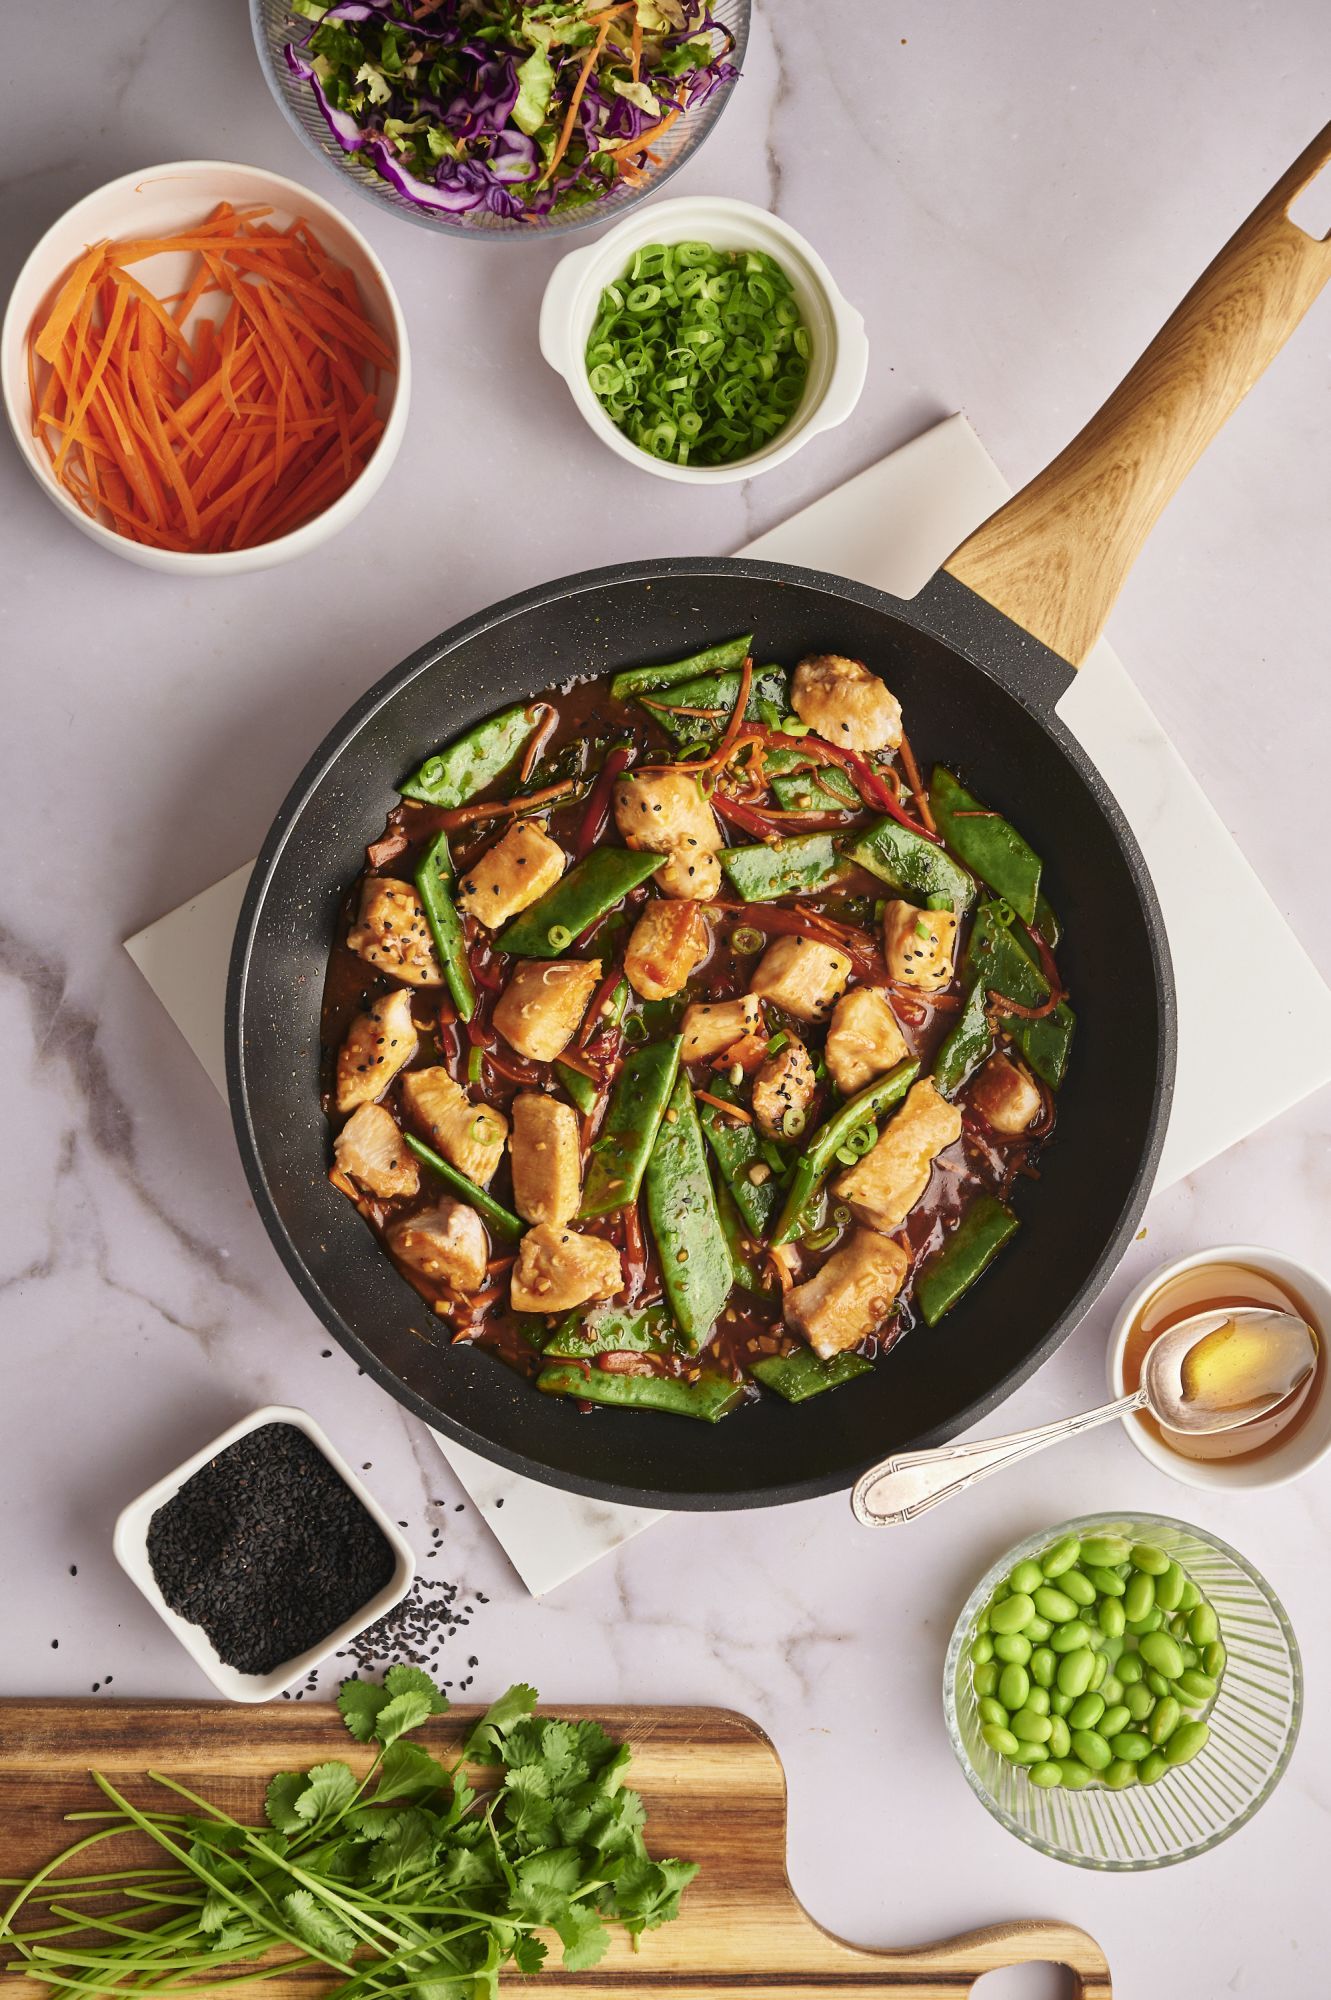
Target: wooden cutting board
{"x":715,"y":1793}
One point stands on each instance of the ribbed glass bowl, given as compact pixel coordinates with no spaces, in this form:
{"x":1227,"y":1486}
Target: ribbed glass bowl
{"x":275,"y":25}
{"x":1254,"y":1719}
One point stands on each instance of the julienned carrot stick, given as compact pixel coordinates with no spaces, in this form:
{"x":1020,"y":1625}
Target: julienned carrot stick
{"x":224,"y":432}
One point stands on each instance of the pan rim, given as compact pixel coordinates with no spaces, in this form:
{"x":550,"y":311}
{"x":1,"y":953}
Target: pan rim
{"x":939,"y":603}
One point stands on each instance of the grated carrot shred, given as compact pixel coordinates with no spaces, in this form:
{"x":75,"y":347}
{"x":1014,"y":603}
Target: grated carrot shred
{"x":224,"y":415}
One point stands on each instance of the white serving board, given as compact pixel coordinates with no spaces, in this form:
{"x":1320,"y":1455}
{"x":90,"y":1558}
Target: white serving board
{"x":891,"y":527}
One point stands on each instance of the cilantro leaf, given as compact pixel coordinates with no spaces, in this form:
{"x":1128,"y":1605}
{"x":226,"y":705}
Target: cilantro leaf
{"x":316,"y":1926}
{"x":406,"y":1844}
{"x":414,"y":1680}
{"x":329,"y":1790}
{"x":485,"y":1744}
{"x":360,"y":1703}
{"x":409,"y":1772}
{"x":403,"y":1713}
{"x":280,"y":1802}
{"x":529,"y":1954}
{"x":647,"y":1893}
{"x":584,"y":1937}
{"x":546,"y":1882}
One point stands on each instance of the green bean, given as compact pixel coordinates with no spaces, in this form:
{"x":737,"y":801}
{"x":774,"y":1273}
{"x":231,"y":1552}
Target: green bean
{"x":738,"y":1149}
{"x":1091,"y":1749}
{"x":967,"y":1043}
{"x":618,"y":1158}
{"x":583,"y":1093}
{"x":1104,"y":1551}
{"x":1139,"y":1597}
{"x":1061,"y":1557}
{"x":586,"y":1332}
{"x":1086,"y":1713}
{"x":1166,"y":1719}
{"x":1145,"y":1556}
{"x":1053,"y":1603}
{"x":1161,"y":1652}
{"x":1169,"y":1588}
{"x":1188,"y":1739}
{"x":1047,"y":1776}
{"x":1012,"y":1646}
{"x":1014,"y":1685}
{"x":499,"y":1220}
{"x":591,"y":888}
{"x":1000,"y":1739}
{"x":1044,"y":1663}
{"x":799,"y":789}
{"x":1193,"y":1687}
{"x":472,"y":761}
{"x":819,"y":1154}
{"x":729,"y":653}
{"x":1117,"y":1716}
{"x":1203,"y":1625}
{"x":1001,"y":962}
{"x":694,"y":1257}
{"x":1120,"y":1774}
{"x":1031,"y":1726}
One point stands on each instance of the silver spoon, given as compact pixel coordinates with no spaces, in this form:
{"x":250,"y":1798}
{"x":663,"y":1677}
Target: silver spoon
{"x":1181,"y":1395}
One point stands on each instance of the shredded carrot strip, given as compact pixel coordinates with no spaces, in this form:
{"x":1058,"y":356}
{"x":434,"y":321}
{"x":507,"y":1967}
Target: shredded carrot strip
{"x":570,"y":116}
{"x":188,"y":428}
{"x":636,"y":62}
{"x":735,"y":1111}
{"x":644,"y":139}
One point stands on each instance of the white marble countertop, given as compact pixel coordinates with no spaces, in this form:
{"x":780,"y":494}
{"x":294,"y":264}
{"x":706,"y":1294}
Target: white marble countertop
{"x":1015,"y":198}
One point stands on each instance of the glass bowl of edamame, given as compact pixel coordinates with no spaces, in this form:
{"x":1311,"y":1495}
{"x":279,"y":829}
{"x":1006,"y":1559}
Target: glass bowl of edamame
{"x":1123,"y":1692}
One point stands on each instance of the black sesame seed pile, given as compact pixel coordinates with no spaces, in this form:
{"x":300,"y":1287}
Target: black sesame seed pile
{"x":267,"y":1549}
{"x":417,"y":1630}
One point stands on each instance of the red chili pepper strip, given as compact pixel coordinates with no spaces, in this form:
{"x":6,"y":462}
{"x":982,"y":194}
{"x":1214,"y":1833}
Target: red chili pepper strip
{"x":871,"y":786}
{"x":598,"y":805}
{"x":773,"y":823}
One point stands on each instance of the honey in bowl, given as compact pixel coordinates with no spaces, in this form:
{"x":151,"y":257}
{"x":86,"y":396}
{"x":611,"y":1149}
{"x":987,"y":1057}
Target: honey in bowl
{"x":1226,"y":1369}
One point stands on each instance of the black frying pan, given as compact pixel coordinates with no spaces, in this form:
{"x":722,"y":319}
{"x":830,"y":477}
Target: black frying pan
{"x":978,"y":661}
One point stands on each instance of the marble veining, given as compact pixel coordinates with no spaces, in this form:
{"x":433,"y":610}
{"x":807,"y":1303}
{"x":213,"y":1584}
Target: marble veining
{"x":1014,"y":200}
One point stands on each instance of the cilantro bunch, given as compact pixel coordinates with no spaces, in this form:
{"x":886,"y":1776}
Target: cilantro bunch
{"x":411,"y":1881}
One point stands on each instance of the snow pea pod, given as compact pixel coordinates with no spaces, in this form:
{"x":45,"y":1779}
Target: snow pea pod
{"x":472,"y":761}
{"x":708,"y":1399}
{"x":591,"y":888}
{"x":618,"y":1159}
{"x":434,"y":885}
{"x":681,"y":1206}
{"x":738,"y":1148}
{"x":997,"y":958}
{"x":907,"y":862}
{"x":989,"y":845}
{"x":581,"y":1335}
{"x":818,"y":1156}
{"x":736,"y":1233}
{"x":500,"y":1220}
{"x":717,"y":692}
{"x":786,"y":868}
{"x":967,"y":1253}
{"x":801,"y":1375}
{"x":580,"y":1088}
{"x":796,"y":788}
{"x":668,"y":673}
{"x":967,"y":1043}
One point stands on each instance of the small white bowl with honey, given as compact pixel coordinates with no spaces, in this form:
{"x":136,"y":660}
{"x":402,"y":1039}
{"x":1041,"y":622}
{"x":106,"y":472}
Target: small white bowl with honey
{"x":1271,"y":1449}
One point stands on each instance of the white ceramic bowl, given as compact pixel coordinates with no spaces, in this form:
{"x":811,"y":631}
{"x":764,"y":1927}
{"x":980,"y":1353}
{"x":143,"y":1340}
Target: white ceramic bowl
{"x":162,"y":200}
{"x":1309,"y":1444}
{"x":840,"y":348}
{"x":130,"y":1543}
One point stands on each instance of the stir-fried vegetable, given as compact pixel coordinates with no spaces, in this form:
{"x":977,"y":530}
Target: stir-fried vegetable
{"x":819,"y":1156}
{"x":708,"y":1396}
{"x":967,"y":1254}
{"x":589,"y":891}
{"x":471,"y":763}
{"x":619,"y":1158}
{"x":988,"y":844}
{"x":787,"y":868}
{"x":796,"y":1377}
{"x":696,"y":1268}
{"x":434,"y":886}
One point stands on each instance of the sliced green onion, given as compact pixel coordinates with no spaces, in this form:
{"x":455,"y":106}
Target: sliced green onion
{"x":778,"y":1041}
{"x":475,"y":1058}
{"x":744,"y":938}
{"x":792,"y":1123}
{"x":559,"y":937}
{"x":635,"y":1028}
{"x":820,"y":1239}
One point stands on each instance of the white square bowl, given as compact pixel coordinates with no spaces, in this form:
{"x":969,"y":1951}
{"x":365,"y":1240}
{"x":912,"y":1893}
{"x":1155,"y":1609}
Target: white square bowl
{"x":130,"y":1544}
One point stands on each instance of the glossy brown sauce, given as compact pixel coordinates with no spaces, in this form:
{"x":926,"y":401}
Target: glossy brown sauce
{"x":1220,"y":1288}
{"x":589,"y":722}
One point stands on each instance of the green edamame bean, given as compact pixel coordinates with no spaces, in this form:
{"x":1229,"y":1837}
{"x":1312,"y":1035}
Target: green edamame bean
{"x":1047,"y":1776}
{"x":1213,"y":1658}
{"x":1099,"y":1670}
{"x":1153,"y":1768}
{"x":1062,"y":1556}
{"x":1120,"y":1774}
{"x":1028,"y":1753}
{"x":1060,"y":1737}
{"x":1075,"y":1583}
{"x":1115,"y":1718}
{"x":1155,"y":1682}
{"x":1203,"y":1625}
{"x":1000,"y":1592}
{"x":1074,"y":1672}
{"x":1067,"y":1638}
{"x":1169,"y":1588}
{"x":1059,"y":1704}
{"x":982,"y":1649}
{"x":1138,"y":1598}
{"x":992,"y":1711}
{"x":1086,"y":1713}
{"x":1027,"y":1576}
{"x":1012,"y":1614}
{"x":1043,"y":1666}
{"x":1107,"y":1581}
{"x":1177,"y":1624}
{"x":1091,"y":1749}
{"x":1165,"y":1720}
{"x":1014,"y":1684}
{"x":1191,"y":1597}
{"x":1030,"y":1727}
{"x":1130,"y":1745}
{"x":1010,"y":1646}
{"x":1161,"y":1652}
{"x":1152,"y":1622}
{"x":1111,"y":1617}
{"x":1187,"y":1740}
{"x":1138,"y":1700}
{"x":1111,"y":1690}
{"x":1054,"y":1604}
{"x":1192,"y":1687}
{"x":1130,"y":1669}
{"x":1038,"y":1701}
{"x":985,"y":1678}
{"x":1038,"y":1630}
{"x":1146,"y":1556}
{"x":1191,"y":1657}
{"x":999,"y":1739}
{"x":1076,"y":1777}
{"x":1103,"y":1551}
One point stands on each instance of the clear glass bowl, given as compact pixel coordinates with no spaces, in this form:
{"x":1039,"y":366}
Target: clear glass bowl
{"x":275,"y":25}
{"x":1254,"y":1719}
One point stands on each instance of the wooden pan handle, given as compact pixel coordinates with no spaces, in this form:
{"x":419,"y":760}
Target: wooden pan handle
{"x":1055,"y":557}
